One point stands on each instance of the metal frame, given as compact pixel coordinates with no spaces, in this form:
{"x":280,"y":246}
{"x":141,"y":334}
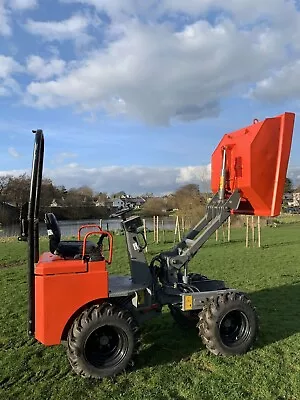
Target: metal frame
{"x":33,"y":223}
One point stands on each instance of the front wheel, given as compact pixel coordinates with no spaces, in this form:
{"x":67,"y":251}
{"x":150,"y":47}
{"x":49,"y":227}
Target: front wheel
{"x":228,"y":325}
{"x":102,"y":341}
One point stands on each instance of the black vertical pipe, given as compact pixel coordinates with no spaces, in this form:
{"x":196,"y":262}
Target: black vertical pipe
{"x":33,"y":204}
{"x":38,"y":195}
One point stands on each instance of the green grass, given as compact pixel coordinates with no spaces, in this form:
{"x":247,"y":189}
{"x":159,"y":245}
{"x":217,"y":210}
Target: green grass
{"x":288,"y":218}
{"x":173,"y":364}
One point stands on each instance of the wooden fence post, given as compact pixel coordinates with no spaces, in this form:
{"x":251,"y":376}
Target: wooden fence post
{"x":247,"y":231}
{"x":258,"y":231}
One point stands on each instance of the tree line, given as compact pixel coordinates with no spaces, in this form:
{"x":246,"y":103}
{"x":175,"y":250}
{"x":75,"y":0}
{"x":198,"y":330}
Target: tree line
{"x":84,"y":203}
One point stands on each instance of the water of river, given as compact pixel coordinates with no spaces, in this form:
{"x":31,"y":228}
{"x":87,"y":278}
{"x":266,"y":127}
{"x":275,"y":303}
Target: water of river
{"x":70,"y":228}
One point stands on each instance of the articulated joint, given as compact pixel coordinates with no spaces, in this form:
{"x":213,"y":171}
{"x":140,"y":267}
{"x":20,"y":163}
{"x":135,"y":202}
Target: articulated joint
{"x":177,"y":262}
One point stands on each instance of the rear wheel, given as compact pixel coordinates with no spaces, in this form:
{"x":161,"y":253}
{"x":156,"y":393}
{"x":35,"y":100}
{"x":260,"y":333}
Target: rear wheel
{"x":228,"y":325}
{"x":102,"y":341}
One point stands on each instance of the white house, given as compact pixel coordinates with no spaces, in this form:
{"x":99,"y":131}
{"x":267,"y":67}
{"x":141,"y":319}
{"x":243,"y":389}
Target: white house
{"x":294,"y":200}
{"x":118,"y":203}
{"x":135,"y":202}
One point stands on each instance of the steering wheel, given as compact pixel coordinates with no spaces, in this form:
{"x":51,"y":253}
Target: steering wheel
{"x":121,"y":212}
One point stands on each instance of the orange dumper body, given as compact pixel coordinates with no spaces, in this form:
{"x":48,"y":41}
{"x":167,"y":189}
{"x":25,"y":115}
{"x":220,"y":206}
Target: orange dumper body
{"x":256,"y":163}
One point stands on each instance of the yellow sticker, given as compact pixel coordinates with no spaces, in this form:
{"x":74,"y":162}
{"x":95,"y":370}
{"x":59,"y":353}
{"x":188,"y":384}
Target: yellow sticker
{"x":188,"y":303}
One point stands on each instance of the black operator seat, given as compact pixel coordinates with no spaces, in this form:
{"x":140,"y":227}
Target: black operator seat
{"x":65,"y":249}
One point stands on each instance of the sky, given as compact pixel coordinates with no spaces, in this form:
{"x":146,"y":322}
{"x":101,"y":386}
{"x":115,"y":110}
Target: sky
{"x":135,"y":95}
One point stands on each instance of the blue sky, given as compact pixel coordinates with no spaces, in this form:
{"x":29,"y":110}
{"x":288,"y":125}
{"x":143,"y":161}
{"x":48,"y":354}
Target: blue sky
{"x":136,"y":95}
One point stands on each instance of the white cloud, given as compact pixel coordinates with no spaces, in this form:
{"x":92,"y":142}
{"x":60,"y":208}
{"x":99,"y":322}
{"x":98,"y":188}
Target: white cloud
{"x":155,"y":74}
{"x":8,"y":67}
{"x":242,"y":11}
{"x":73,"y":28}
{"x":117,"y":7}
{"x":13,"y":152}
{"x":22,"y":4}
{"x":7,"y":8}
{"x":5,"y":28}
{"x":133,"y":180}
{"x":194,"y":174}
{"x":62,"y":157}
{"x":283,"y":84}
{"x":42,"y":69}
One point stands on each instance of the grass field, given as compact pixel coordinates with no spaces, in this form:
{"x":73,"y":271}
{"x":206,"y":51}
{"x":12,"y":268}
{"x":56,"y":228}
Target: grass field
{"x":173,"y":364}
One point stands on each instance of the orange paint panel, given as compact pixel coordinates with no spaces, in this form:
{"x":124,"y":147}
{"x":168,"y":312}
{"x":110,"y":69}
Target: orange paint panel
{"x":58,"y":297}
{"x":256,"y":164}
{"x":50,"y":264}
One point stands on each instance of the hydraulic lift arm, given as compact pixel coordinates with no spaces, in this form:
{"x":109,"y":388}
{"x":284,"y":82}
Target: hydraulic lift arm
{"x":217,"y":213}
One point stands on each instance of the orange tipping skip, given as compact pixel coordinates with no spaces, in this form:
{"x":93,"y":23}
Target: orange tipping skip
{"x":256,"y":163}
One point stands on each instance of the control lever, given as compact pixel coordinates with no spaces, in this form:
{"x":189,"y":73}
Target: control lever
{"x":23,"y":223}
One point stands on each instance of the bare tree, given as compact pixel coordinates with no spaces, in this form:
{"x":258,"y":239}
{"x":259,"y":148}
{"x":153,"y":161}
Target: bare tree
{"x":17,"y":189}
{"x":4,"y":179}
{"x":190,"y":202}
{"x":154,"y":206}
{"x":49,"y":192}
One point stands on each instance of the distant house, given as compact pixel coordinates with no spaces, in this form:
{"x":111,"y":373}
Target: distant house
{"x":119,"y":203}
{"x":135,"y":202}
{"x":53,"y":203}
{"x":99,"y":203}
{"x":293,"y":200}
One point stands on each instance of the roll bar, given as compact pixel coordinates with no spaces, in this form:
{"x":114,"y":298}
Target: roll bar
{"x":32,"y":233}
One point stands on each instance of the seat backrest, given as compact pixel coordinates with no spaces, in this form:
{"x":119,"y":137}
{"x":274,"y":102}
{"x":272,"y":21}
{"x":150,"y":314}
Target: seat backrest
{"x":53,"y":231}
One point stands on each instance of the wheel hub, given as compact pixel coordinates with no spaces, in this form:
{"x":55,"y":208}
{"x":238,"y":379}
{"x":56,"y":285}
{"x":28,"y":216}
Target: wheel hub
{"x":234,"y":327}
{"x":104,"y":340}
{"x":105,"y":346}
